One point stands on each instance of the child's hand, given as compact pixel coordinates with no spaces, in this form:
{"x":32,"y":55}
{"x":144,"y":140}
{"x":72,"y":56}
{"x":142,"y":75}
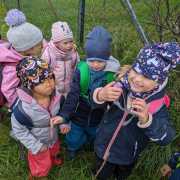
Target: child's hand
{"x":109,"y":93}
{"x":65,"y":128}
{"x":43,"y":148}
{"x":165,"y":170}
{"x":56,"y":120}
{"x":140,"y":108}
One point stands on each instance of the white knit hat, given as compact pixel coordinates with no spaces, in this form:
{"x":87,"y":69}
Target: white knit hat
{"x":21,"y":34}
{"x":60,"y":31}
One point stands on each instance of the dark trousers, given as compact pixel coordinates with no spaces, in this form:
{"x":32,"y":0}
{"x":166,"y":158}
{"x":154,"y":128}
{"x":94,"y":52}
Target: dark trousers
{"x":120,"y":172}
{"x":78,"y":136}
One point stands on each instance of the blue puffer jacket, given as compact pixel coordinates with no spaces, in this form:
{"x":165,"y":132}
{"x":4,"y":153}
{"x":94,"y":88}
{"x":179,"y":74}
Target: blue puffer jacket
{"x":131,"y":139}
{"x":78,"y":109}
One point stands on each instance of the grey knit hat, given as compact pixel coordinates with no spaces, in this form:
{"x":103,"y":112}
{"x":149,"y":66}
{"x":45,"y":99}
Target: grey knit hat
{"x":21,"y":34}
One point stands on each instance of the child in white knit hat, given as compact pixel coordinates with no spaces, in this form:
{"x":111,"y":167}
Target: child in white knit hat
{"x":62,"y":56}
{"x":24,"y":39}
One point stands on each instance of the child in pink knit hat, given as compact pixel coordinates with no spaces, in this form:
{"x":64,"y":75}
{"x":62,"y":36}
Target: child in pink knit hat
{"x":62,"y":56}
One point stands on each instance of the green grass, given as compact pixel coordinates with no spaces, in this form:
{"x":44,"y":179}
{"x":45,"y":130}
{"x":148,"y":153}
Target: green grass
{"x":126,"y":44}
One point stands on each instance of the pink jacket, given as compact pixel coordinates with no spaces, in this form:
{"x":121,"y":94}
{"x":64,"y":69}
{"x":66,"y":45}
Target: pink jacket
{"x":63,"y":66}
{"x":9,"y":58}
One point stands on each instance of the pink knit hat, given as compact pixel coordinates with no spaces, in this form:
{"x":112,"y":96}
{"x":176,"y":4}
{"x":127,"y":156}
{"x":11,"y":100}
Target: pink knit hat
{"x":60,"y":31}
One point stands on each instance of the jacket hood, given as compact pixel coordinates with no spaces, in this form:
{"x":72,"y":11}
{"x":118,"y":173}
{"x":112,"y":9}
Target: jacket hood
{"x":26,"y":96}
{"x":112,"y":65}
{"x":8,"y":54}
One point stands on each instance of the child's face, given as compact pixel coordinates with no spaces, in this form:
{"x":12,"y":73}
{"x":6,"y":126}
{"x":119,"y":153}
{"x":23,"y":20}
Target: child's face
{"x":140,"y":83}
{"x":65,"y":45}
{"x":34,"y":51}
{"x":45,"y":88}
{"x":97,"y":65}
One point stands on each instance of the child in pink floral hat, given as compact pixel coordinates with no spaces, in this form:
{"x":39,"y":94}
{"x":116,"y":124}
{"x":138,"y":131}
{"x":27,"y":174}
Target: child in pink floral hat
{"x":38,"y":103}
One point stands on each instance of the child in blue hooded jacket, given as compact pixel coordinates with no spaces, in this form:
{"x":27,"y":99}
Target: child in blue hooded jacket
{"x":137,"y":113}
{"x":77,"y":108}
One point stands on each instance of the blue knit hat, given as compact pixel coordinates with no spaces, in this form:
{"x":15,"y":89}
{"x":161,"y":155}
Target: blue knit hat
{"x":98,"y":44}
{"x":155,"y":61}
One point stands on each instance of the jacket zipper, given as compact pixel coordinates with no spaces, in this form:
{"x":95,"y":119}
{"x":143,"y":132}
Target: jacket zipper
{"x":64,"y":75}
{"x":51,"y":128}
{"x":89,"y":115}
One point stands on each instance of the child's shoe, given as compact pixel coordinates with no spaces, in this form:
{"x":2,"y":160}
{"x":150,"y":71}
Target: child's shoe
{"x":36,"y":178}
{"x":40,"y":178}
{"x":1,"y":117}
{"x":71,"y":154}
{"x":58,"y":161}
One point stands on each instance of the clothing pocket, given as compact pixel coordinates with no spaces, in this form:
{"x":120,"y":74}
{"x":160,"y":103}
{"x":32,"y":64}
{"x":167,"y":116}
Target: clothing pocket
{"x":83,"y":109}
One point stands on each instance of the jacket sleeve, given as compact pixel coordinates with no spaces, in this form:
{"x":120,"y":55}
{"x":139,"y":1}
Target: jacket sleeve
{"x":45,"y":55}
{"x":72,"y":98}
{"x":160,"y":130}
{"x":25,"y":136}
{"x":175,"y":160}
{"x":9,"y":84}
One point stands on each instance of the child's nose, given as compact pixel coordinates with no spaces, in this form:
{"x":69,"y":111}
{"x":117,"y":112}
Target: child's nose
{"x":48,"y":82}
{"x":70,"y":45}
{"x":96,"y":64}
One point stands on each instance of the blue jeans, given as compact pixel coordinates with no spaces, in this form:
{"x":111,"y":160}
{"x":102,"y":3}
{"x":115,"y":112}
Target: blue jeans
{"x":78,"y":136}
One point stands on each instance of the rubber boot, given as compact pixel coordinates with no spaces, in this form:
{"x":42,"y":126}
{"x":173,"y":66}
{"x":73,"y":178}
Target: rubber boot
{"x":36,"y":178}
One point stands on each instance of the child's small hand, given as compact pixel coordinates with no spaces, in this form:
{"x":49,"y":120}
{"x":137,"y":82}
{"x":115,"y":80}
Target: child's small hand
{"x":165,"y":170}
{"x":65,"y":128}
{"x":56,"y":120}
{"x":139,"y":107}
{"x":43,"y":148}
{"x":109,"y":93}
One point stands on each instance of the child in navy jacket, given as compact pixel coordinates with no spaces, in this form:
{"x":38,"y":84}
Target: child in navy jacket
{"x":138,"y":113}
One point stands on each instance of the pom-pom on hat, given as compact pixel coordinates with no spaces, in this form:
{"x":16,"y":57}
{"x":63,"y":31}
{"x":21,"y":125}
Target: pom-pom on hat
{"x":21,"y":34}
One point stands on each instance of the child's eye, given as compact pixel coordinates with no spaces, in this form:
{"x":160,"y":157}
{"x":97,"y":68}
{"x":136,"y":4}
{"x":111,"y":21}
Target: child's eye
{"x":51,"y":77}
